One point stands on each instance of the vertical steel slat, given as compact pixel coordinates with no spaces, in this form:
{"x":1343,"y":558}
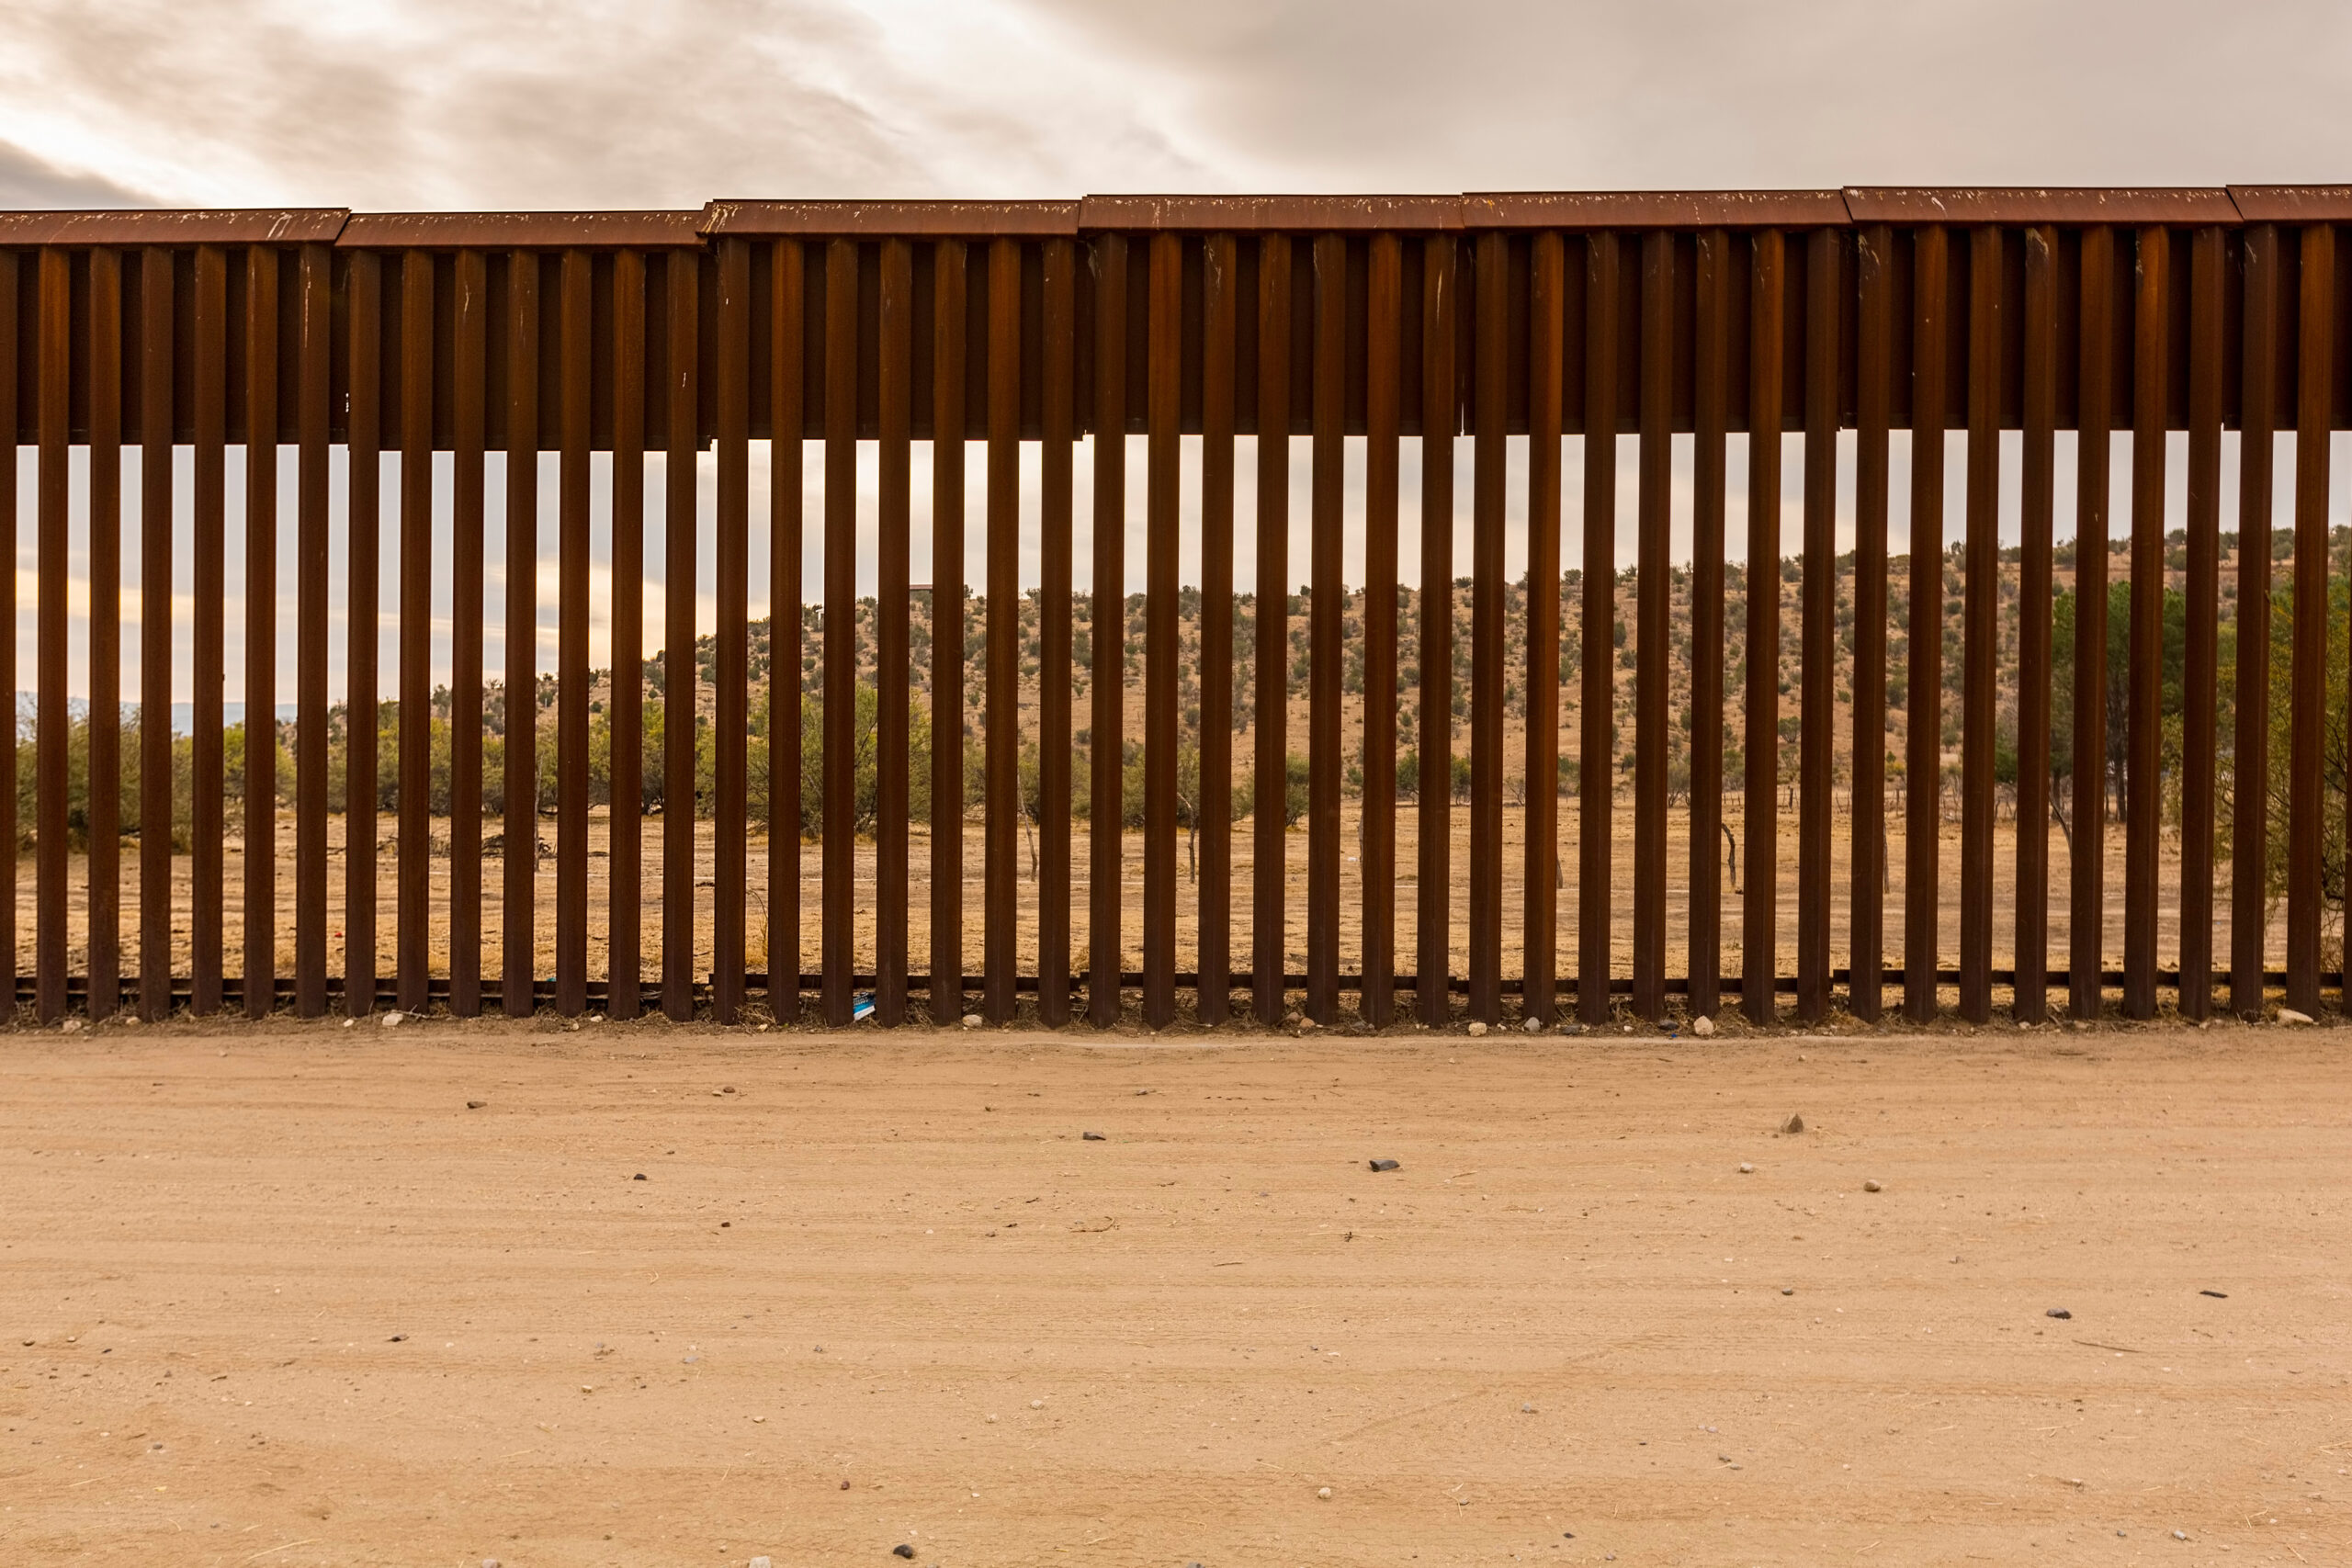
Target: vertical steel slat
{"x":1711,"y":326}
{"x":261,"y":631}
{"x":1059,"y":412}
{"x":155,"y":550}
{"x":576,"y":319}
{"x":1220,"y":308}
{"x":363,"y":618}
{"x":625,"y":881}
{"x":2086,"y":901}
{"x":949,"y":300}
{"x":11,"y":823}
{"x":2143,"y":791}
{"x":1654,"y":611}
{"x":892,"y":629}
{"x":731,"y":696}
{"x":1923,"y":679}
{"x":2315,"y":381}
{"x":469,"y":391}
{"x":104,"y":808}
{"x":835,"y":891}
{"x":1163,"y":655}
{"x":1433,"y":880}
{"x":2201,"y":655}
{"x":682,"y":422}
{"x":1325,"y":611}
{"x":1980,"y":613}
{"x":1597,"y":748}
{"x":1760,"y":805}
{"x":2250,"y":713}
{"x":415,"y":862}
{"x":1490,"y":365}
{"x":520,"y":857}
{"x":209,"y":574}
{"x":2038,"y":460}
{"x":1271,"y":634}
{"x":1874,"y":396}
{"x":1384,"y":304}
{"x":313,"y":410}
{"x":1546,"y":373}
{"x":51,"y":759}
{"x":1106,"y":632}
{"x":1818,"y":628}
{"x":787,"y":366}
{"x":1002,"y":873}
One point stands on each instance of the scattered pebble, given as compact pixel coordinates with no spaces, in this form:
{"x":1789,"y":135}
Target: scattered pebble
{"x":2286,"y":1015}
{"x":2057,"y":1312}
{"x":1534,"y":1026}
{"x":902,"y":1550}
{"x":2183,"y":1535}
{"x":475,"y":1105}
{"x":1527,"y":1410}
{"x":971,"y":1021}
{"x":1703,"y":1027}
{"x":1477,"y":1027}
{"x":1383,"y":1165}
{"x":1324,"y":1492}
{"x":1036,"y":1404}
{"x":1873,"y":1185}
{"x":2217,"y":1295}
{"x":392,"y":1021}
{"x":70,"y":1026}
{"x":991,"y":1418}
{"x":1747,"y":1169}
{"x":1788,"y":1289}
{"x":396,"y":1338}
{"x":760,"y":1561}
{"x":490,"y":1562}
{"x":1793,"y":1124}
{"x":639,"y":1177}
{"x":1091,"y":1138}
{"x":845,"y":1485}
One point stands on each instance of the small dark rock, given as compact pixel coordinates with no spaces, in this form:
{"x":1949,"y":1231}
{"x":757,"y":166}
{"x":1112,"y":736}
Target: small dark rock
{"x":639,"y":1177}
{"x":475,"y":1105}
{"x":902,"y":1550}
{"x":1089,"y":1137}
{"x":845,"y":1485}
{"x":1383,"y":1165}
{"x":2217,"y":1295}
{"x":2057,"y":1312}
{"x":396,"y":1338}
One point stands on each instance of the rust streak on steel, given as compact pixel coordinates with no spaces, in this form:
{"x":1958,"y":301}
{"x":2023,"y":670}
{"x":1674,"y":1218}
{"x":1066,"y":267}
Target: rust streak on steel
{"x":2086,"y":901}
{"x":1220,"y":287}
{"x":1326,"y":610}
{"x":2257,"y":422}
{"x":1162,"y":652}
{"x":51,"y":763}
{"x":836,"y":890}
{"x":1817,"y":623}
{"x":1106,"y":632}
{"x":104,"y":759}
{"x":2082,"y":206}
{"x":1653,"y":209}
{"x":1922,"y":681}
{"x":519,"y":857}
{"x":1433,"y":886}
{"x":789,"y":414}
{"x":315,"y":324}
{"x":624,"y":882}
{"x":950,"y":269}
{"x":1059,"y":421}
{"x":227,"y":226}
{"x":1489,"y":419}
{"x":416,"y":862}
{"x":208,"y":573}
{"x":1760,"y":804}
{"x":1711,"y":326}
{"x":1547,"y":390}
{"x":1874,"y":389}
{"x":260,"y":632}
{"x":2201,"y":672}
{"x":156,"y":553}
{"x":1271,"y":631}
{"x":470,"y":416}
{"x":1653,"y":618}
{"x":682,"y":419}
{"x":893,"y":624}
{"x":576,"y":314}
{"x":2037,"y":462}
{"x":1002,"y":870}
{"x":12,"y":278}
{"x":1596,"y":747}
{"x":730,"y":688}
{"x":1980,"y":623}
{"x":2143,"y":793}
{"x":2315,"y":383}
{"x":910,"y":220}
{"x":554,"y":231}
{"x":363,"y":504}
{"x":1268,"y":214}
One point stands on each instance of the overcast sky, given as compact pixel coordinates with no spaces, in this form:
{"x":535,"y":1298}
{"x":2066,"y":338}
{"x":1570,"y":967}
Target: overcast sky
{"x":622,"y":103}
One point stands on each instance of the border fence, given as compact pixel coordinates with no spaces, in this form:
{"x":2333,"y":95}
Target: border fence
{"x":806,"y":333}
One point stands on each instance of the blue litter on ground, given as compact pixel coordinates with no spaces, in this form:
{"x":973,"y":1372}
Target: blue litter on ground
{"x":861,"y":1007}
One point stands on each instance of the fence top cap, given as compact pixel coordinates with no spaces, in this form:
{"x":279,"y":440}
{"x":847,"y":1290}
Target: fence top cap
{"x":174,"y":226}
{"x":1654,"y":209}
{"x":2072,"y":206}
{"x":520,"y":230}
{"x":2293,"y":204}
{"x":1260,"y":214}
{"x":887,"y":219}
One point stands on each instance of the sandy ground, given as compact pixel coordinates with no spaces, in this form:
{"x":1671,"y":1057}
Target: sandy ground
{"x":279,"y":1296}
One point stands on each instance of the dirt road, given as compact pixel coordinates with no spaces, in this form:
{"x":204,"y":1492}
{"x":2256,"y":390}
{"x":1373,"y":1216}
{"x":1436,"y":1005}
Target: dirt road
{"x":282,"y":1298}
